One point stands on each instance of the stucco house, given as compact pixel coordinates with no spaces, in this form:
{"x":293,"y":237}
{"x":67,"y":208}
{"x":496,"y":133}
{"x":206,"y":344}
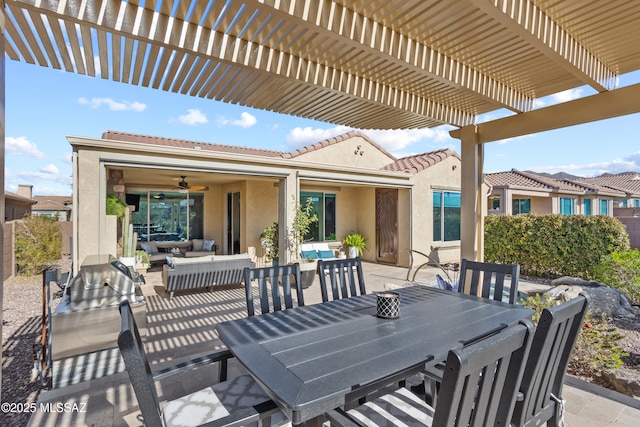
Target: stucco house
{"x":17,"y":205}
{"x":516,"y":192}
{"x":56,"y":207}
{"x":181,"y":190}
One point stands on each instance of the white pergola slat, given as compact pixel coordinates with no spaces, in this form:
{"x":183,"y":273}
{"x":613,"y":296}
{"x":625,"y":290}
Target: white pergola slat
{"x":367,"y":64}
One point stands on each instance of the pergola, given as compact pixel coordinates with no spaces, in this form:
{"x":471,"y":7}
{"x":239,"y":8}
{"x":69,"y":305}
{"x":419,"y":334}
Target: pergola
{"x":368,"y":64}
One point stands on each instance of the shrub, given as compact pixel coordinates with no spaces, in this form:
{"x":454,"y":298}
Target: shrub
{"x":38,"y":245}
{"x":621,"y":271}
{"x":597,"y":348}
{"x":553,"y":245}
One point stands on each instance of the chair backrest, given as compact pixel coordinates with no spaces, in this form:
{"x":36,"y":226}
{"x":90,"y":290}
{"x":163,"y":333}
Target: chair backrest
{"x":493,"y":278}
{"x":555,"y":337}
{"x":135,"y":360}
{"x":342,"y":277}
{"x":272,"y":295}
{"x":481,"y":380}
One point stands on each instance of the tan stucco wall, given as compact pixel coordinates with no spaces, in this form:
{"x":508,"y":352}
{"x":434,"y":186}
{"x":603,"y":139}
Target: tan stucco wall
{"x":356,"y":151}
{"x":214,"y":213}
{"x":444,"y":176}
{"x":261,"y":210}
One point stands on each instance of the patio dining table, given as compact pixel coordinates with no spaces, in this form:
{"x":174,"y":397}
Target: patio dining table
{"x":318,"y":357}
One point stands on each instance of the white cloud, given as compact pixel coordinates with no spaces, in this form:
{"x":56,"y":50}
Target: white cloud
{"x":299,"y":137}
{"x":246,"y":120}
{"x":193,"y":117}
{"x":567,"y":95}
{"x":630,"y":163}
{"x":95,"y":103}
{"x":21,"y":145}
{"x":49,"y":172}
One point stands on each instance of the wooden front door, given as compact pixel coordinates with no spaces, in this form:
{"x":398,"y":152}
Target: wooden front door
{"x":387,"y":225}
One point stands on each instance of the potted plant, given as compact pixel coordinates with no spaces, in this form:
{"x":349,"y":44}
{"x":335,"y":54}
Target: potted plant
{"x":142,"y":261}
{"x":302,"y":222}
{"x":269,"y":241}
{"x":356,"y":243}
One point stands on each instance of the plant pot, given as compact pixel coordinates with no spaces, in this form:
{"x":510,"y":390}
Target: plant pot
{"x":129,"y":261}
{"x":353,"y":252}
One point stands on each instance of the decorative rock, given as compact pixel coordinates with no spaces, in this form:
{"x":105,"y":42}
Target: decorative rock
{"x":625,"y":380}
{"x":604,"y":300}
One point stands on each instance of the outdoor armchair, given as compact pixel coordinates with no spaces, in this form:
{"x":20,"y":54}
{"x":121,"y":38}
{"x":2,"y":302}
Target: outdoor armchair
{"x":235,"y":402}
{"x":478,"y":389}
{"x":271,"y":295}
{"x":493,"y":280}
{"x":540,"y":398}
{"x":341,"y":278}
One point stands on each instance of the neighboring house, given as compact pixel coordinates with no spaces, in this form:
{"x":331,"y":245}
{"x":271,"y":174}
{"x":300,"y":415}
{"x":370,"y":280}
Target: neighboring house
{"x":181,"y":190}
{"x":17,"y":205}
{"x":517,"y":192}
{"x":56,"y":207}
{"x":627,"y":182}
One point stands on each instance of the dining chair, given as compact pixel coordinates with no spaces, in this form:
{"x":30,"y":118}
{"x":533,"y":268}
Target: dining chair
{"x":540,"y":398}
{"x":274,"y":287}
{"x":478,"y":389}
{"x":342,"y":277}
{"x":493,"y":280}
{"x":239,"y":401}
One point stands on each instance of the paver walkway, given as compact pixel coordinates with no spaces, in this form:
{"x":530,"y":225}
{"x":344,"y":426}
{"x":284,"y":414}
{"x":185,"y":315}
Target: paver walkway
{"x":184,"y":327}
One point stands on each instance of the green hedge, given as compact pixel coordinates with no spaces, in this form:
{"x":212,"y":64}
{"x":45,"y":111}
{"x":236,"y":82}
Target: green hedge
{"x":553,"y":245}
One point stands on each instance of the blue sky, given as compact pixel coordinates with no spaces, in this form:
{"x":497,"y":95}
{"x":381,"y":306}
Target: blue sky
{"x":44,"y":106}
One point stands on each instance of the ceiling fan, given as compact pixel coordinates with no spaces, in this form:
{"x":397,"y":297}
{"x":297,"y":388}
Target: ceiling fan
{"x":184,"y":185}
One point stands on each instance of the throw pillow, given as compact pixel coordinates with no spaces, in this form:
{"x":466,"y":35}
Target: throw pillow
{"x":170,"y":261}
{"x":207,"y":245}
{"x":326,"y":254}
{"x":145,"y":247}
{"x":153,"y":247}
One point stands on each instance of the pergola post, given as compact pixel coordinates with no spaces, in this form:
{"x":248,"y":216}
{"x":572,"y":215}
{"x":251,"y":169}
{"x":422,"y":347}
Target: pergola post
{"x":287,"y":197}
{"x":473,"y":205}
{"x":2,"y":123}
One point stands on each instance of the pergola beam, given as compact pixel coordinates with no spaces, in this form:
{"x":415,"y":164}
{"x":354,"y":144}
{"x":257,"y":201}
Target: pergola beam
{"x":601,"y":106}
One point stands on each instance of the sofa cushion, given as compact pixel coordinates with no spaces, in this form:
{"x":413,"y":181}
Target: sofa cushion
{"x":230,"y":257}
{"x":196,"y":244}
{"x":181,"y":261}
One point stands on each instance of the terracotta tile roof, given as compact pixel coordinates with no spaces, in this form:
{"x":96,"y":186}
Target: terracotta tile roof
{"x":516,"y":178}
{"x":420,"y":162}
{"x":181,"y":143}
{"x":629,"y":182}
{"x":52,"y":203}
{"x":335,"y":140}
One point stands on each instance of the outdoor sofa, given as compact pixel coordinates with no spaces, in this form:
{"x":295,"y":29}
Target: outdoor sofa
{"x":204,"y":272}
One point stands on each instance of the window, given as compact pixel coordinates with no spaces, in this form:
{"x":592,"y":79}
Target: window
{"x":324,"y":206}
{"x":446,"y":216}
{"x":586,"y":206}
{"x":495,"y":204}
{"x":567,"y":206}
{"x":604,"y":207}
{"x":169,"y":216}
{"x":520,"y":206}
{"x":636,"y":203}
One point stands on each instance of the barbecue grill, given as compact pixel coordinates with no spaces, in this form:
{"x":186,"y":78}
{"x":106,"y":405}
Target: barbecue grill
{"x":87,"y":319}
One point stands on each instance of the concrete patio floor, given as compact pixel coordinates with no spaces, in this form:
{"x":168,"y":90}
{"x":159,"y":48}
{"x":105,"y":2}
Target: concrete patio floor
{"x":183,"y":328}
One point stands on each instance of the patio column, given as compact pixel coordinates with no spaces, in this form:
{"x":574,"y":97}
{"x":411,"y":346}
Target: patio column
{"x":474,"y":200}
{"x":287,"y":199}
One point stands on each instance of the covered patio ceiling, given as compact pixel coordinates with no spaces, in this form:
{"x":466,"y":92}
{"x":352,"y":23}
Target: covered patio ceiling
{"x":367,"y":64}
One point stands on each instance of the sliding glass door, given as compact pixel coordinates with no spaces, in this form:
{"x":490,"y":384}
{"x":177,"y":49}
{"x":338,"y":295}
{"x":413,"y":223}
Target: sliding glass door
{"x":168,"y":216}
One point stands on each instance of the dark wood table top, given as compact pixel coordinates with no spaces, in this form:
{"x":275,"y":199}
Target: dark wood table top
{"x":315,"y":358}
